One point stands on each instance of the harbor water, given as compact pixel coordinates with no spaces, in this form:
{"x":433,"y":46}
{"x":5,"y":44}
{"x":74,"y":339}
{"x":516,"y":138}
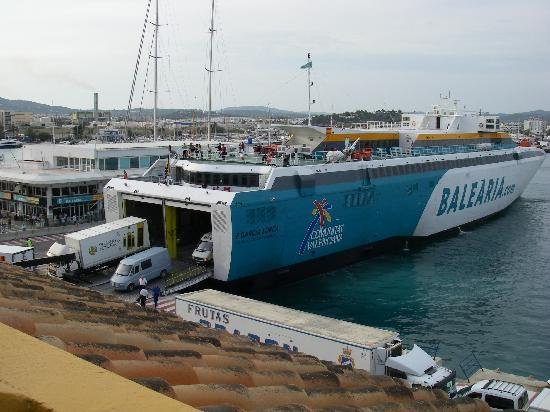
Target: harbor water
{"x":486,"y":290}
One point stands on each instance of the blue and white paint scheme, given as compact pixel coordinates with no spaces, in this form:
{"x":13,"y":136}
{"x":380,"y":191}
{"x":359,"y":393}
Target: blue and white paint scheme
{"x":267,"y":217}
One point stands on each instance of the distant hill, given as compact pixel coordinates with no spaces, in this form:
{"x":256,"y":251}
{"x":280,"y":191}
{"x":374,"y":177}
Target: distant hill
{"x":359,"y":116}
{"x":259,"y":111}
{"x":250,"y":111}
{"x":519,"y":117}
{"x":37,"y":108}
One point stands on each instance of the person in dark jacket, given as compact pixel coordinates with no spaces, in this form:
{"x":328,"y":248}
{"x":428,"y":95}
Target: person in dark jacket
{"x":156,"y":295}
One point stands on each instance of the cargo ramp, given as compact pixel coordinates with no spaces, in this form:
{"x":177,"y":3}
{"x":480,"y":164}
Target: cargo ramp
{"x":182,"y":280}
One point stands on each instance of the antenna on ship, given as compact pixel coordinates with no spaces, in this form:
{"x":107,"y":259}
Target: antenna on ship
{"x":308,"y":66}
{"x":209,"y":70}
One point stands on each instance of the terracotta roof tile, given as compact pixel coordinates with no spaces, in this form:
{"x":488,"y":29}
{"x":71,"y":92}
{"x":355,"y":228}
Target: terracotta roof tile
{"x":158,"y":385}
{"x":213,"y":394}
{"x":113,"y":351}
{"x":276,"y":378}
{"x":201,"y":367}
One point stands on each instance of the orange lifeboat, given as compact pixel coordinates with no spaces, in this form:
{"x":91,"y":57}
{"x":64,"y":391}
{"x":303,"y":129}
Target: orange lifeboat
{"x":363,"y":154}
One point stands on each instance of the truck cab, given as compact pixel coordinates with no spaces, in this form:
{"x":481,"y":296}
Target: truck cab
{"x":418,"y":369}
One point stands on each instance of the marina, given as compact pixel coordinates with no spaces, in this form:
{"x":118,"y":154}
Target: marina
{"x":256,"y":258}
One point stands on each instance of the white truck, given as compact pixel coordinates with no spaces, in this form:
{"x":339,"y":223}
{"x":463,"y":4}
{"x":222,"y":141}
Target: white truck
{"x":15,"y":254}
{"x":99,"y":246}
{"x":342,"y":342}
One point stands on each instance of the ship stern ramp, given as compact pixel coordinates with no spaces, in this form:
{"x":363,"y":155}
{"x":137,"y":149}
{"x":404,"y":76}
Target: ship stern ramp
{"x":178,"y":216}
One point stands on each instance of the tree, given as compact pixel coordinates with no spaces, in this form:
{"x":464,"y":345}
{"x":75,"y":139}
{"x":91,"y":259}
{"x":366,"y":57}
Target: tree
{"x":44,"y":136}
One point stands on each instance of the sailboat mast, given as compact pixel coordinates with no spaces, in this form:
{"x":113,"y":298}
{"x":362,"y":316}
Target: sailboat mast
{"x":309,"y":89}
{"x":155,"y":131}
{"x":210,"y":73}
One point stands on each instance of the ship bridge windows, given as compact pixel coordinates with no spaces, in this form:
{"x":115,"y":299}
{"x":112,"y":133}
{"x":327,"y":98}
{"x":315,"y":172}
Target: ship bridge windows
{"x":218,"y":179}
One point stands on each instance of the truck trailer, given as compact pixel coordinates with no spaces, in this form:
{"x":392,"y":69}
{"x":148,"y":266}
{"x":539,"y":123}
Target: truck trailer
{"x":15,"y":254}
{"x":99,"y":246}
{"x":341,"y":342}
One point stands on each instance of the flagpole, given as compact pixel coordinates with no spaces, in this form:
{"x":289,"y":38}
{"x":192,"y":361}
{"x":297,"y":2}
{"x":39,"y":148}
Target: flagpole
{"x":309,"y":89}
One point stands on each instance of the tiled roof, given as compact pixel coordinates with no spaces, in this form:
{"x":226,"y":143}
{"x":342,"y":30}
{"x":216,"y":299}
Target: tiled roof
{"x":201,"y":367}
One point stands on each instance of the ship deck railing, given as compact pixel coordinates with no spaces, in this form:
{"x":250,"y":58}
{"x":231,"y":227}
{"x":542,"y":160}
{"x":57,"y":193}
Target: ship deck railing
{"x":393,"y":152}
{"x":319,"y":157}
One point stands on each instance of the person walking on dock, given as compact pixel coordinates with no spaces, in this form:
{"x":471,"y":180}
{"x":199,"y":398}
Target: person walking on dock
{"x":143,"y":295}
{"x":156,"y":295}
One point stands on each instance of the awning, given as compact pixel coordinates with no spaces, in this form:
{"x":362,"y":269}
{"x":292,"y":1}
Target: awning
{"x":415,"y":362}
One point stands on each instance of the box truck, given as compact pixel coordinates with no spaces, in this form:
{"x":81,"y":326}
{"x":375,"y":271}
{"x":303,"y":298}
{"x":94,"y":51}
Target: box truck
{"x":15,"y":254}
{"x":341,"y":342}
{"x":99,"y":246}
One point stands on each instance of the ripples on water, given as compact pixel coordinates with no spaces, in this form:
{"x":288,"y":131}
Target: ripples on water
{"x":486,"y":289}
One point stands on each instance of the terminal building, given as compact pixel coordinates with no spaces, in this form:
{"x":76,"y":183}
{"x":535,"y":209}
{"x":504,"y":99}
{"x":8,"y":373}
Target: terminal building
{"x":53,"y":181}
{"x":110,"y":159}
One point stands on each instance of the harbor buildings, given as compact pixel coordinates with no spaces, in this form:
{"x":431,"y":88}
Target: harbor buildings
{"x":55,"y":180}
{"x":535,"y":126}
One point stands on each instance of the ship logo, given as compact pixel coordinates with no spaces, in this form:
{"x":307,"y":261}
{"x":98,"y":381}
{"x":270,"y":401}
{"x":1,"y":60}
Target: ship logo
{"x":321,"y":211}
{"x":92,"y":250}
{"x":318,"y":232}
{"x":346,"y":359}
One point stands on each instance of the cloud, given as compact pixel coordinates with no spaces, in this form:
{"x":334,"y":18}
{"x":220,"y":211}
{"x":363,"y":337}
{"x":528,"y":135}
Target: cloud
{"x":399,"y":54}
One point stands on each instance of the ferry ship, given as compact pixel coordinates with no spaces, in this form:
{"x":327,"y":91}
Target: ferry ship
{"x":361,"y":188}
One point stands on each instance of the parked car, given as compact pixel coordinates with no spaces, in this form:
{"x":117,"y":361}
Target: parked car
{"x":204,"y":252}
{"x":150,"y":263}
{"x":498,"y":394}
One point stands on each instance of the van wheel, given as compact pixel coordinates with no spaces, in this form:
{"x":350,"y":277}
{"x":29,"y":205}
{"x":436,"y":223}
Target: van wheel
{"x":131,"y":287}
{"x":163,"y":274}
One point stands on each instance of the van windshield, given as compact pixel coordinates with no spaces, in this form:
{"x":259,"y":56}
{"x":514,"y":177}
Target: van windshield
{"x":123,"y":270}
{"x":204,"y":247}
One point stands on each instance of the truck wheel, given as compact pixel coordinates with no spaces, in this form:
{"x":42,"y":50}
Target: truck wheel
{"x":163,"y":274}
{"x":131,"y":287}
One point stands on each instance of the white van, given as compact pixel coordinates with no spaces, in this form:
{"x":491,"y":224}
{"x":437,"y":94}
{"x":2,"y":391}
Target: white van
{"x":150,"y":263}
{"x":500,"y":395}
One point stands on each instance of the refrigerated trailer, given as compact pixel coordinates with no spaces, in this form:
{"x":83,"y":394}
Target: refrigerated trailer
{"x":15,"y":254}
{"x":99,"y":246}
{"x":341,"y":342}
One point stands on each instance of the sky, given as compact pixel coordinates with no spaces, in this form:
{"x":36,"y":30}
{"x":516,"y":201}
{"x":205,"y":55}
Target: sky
{"x":492,"y":55}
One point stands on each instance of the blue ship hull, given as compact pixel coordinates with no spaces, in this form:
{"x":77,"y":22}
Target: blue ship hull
{"x":272,"y":234}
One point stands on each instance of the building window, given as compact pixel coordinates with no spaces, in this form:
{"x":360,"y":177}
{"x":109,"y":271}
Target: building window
{"x":124,"y":163}
{"x":144,"y":162}
{"x":111,"y":163}
{"x":61,"y":161}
